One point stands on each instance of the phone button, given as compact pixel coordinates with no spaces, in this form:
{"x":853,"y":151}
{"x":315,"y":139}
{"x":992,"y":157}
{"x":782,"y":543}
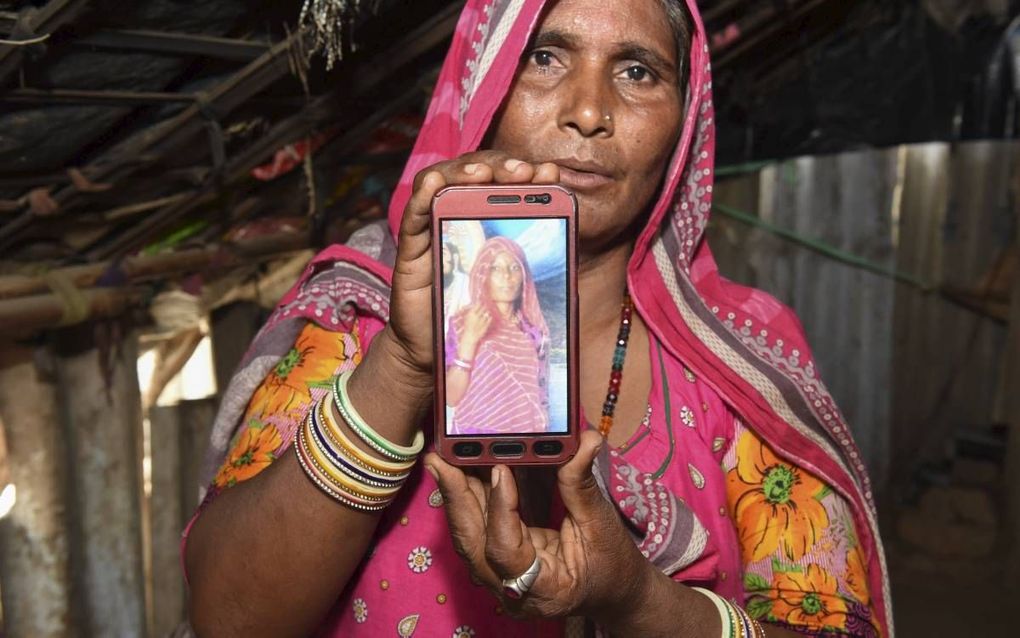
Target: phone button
{"x":468,"y":449}
{"x":507,"y":449}
{"x":547,"y":448}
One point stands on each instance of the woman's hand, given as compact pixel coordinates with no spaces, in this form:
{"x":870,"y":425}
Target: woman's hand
{"x":590,"y":566}
{"x":476,"y":323}
{"x":410,"y":326}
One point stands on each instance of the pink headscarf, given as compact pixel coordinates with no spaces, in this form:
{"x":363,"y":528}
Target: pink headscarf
{"x":529,"y":307}
{"x":743,"y":343}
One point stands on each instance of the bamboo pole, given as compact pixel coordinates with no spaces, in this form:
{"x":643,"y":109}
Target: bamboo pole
{"x":1011,"y":407}
{"x":35,"y":312}
{"x":34,"y":543}
{"x":102,"y":409}
{"x":168,"y":516}
{"x":171,"y":358}
{"x":38,"y":312}
{"x":145,"y":267}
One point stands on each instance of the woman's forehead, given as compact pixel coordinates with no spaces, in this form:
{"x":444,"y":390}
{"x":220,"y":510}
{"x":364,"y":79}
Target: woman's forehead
{"x":618,"y":24}
{"x":505,"y":257}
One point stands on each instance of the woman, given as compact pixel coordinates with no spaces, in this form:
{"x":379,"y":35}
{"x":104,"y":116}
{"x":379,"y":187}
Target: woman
{"x":726,"y":464}
{"x":496,"y":348}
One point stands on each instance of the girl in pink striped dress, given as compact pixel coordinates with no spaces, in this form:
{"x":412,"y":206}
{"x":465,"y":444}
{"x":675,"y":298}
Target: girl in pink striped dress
{"x":496,"y":348}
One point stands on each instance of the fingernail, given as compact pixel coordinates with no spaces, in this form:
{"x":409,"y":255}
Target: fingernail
{"x":471,"y":169}
{"x":512,"y":164}
{"x":433,"y":472}
{"x":495,"y":476}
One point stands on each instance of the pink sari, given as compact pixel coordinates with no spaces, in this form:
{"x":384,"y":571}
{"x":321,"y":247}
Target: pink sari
{"x":506,"y":392}
{"x":720,"y":352}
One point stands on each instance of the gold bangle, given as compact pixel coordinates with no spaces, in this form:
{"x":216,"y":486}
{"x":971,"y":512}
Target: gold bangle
{"x":347,"y":451}
{"x":333,"y":469}
{"x":738,"y":626}
{"x":339,"y":479}
{"x":323,"y":485}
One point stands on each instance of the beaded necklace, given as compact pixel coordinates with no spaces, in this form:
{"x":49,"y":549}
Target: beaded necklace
{"x":616,"y":375}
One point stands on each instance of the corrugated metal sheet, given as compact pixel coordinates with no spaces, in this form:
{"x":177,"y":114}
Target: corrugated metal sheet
{"x":954,"y":228}
{"x":906,"y":366}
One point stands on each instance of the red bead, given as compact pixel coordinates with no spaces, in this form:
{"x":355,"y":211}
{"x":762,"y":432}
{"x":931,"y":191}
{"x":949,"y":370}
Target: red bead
{"x":616,"y":371}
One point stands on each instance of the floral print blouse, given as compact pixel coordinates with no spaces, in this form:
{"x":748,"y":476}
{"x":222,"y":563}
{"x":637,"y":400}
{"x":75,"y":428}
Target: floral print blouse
{"x":802,"y":566}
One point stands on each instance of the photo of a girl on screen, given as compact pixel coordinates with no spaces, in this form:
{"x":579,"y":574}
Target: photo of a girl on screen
{"x":497,"y":348}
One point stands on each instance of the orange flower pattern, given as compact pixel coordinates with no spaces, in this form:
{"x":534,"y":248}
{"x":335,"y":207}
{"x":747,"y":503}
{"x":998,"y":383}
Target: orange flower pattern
{"x":809,"y":598}
{"x":282,"y":400}
{"x":774,"y":504}
{"x":254,"y":450}
{"x":314,"y":359}
{"x":857,"y":576}
{"x":803,"y":567}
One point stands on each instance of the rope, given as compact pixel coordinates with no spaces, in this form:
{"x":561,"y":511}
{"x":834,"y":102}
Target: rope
{"x":742,"y":169}
{"x":74,"y":305}
{"x":25,"y":43}
{"x":826,"y":249}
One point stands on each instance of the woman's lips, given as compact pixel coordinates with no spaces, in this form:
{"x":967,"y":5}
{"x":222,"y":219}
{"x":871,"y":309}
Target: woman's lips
{"x":582,"y":180}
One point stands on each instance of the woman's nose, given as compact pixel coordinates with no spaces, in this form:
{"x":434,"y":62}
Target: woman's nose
{"x":587,"y":103}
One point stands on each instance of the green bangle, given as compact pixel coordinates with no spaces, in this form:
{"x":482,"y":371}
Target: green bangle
{"x":375,"y":440}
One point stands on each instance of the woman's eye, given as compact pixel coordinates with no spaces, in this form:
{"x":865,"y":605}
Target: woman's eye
{"x":638,"y":73}
{"x":542,"y":58}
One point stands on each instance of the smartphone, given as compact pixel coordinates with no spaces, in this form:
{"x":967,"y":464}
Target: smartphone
{"x":505,"y":324}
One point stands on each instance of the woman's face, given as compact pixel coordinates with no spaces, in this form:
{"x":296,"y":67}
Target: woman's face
{"x":506,"y":278}
{"x":598,"y":94}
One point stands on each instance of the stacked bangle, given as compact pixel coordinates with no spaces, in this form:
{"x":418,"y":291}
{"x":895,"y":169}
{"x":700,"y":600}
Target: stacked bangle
{"x":339,"y":467}
{"x":364,"y":431}
{"x":723,"y":609}
{"x":378,"y":468}
{"x":334,"y":465}
{"x":322,"y":482}
{"x":736,"y":623}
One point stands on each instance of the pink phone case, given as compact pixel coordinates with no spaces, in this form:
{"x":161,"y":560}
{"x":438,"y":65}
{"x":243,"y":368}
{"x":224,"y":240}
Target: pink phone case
{"x":510,"y":202}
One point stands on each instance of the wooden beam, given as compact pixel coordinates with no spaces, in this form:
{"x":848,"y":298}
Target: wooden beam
{"x":1011,"y":408}
{"x":30,"y":315}
{"x":55,"y":14}
{"x":35,"y":564}
{"x":166,"y":519}
{"x":171,"y":357}
{"x":100,"y":402}
{"x":143,"y":268}
{"x":74,"y":96}
{"x":183,"y":44}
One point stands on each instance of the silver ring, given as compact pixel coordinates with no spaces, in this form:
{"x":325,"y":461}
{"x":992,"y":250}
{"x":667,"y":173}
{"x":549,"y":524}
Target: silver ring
{"x":517,"y":588}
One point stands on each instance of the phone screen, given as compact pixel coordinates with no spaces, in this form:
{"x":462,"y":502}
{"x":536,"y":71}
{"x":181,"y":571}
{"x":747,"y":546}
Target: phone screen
{"x":505,"y":326}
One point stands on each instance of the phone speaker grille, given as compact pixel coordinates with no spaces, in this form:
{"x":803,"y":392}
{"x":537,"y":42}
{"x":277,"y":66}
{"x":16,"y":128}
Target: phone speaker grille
{"x":504,"y":199}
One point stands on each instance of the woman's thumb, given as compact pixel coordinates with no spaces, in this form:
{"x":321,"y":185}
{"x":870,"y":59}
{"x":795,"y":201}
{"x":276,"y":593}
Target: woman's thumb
{"x":578,"y":488}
